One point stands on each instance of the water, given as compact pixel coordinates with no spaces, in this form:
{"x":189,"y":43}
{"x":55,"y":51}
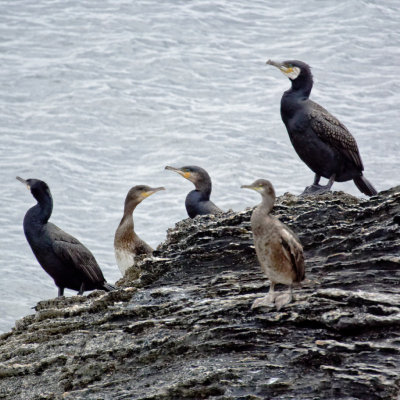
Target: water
{"x":98,"y":96}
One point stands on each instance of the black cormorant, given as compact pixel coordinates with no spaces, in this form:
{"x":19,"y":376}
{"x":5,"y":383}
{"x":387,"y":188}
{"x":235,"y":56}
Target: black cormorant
{"x":278,"y":248}
{"x":63,"y":257}
{"x":197,"y":201}
{"x":127,"y":244}
{"x":320,"y":139}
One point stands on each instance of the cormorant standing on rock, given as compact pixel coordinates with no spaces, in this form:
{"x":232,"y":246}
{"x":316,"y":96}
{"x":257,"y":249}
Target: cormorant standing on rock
{"x":127,"y":244}
{"x":278,"y":248}
{"x":63,"y":257}
{"x":197,"y":201}
{"x":320,"y":139}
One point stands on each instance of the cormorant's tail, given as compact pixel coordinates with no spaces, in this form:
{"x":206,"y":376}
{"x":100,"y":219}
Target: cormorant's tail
{"x":365,"y":186}
{"x":108,"y":287}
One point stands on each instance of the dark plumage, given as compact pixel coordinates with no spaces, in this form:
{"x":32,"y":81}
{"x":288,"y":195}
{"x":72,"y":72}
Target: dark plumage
{"x":63,"y":257}
{"x":320,"y":139}
{"x":197,"y":201}
{"x":127,"y":244}
{"x":278,"y":248}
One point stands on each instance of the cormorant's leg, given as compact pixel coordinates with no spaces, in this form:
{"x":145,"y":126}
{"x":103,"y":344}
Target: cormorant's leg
{"x":268,"y":300}
{"x":316,"y":188}
{"x":316,"y":179}
{"x":284,"y":298}
{"x":60,"y":291}
{"x":330,"y":182}
{"x":82,"y":289}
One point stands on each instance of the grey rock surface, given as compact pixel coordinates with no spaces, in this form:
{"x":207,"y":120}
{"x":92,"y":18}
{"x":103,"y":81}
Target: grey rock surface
{"x":181,"y":327}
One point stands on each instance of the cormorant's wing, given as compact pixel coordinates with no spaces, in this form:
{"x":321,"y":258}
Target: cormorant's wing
{"x":213,"y":208}
{"x":71,"y":251}
{"x":294,"y":251}
{"x":331,"y":130}
{"x":140,"y":247}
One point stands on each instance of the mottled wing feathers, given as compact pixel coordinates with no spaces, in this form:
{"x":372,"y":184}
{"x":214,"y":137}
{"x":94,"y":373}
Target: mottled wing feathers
{"x":215,"y":209}
{"x":331,"y":130}
{"x":294,"y":252}
{"x":72,"y":252}
{"x":140,"y":247}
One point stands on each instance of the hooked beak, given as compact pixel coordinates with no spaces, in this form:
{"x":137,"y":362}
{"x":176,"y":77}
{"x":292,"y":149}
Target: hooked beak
{"x":250,"y":187}
{"x":274,"y":63}
{"x":152,"y":191}
{"x":186,"y":175}
{"x":290,"y":72}
{"x":24,"y":182}
{"x":280,"y":66}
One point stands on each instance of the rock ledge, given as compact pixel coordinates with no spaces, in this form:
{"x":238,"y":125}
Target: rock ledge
{"x":180,"y":327}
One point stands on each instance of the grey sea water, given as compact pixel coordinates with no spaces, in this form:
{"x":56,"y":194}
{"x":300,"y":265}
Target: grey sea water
{"x":97,"y":96}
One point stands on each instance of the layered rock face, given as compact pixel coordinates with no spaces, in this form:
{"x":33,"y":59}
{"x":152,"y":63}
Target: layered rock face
{"x":181,"y":327}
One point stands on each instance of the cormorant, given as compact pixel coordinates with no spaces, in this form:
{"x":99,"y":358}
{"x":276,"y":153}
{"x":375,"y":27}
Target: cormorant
{"x":63,"y":257}
{"x":127,"y":244}
{"x":320,"y":139}
{"x":197,"y":201}
{"x":278,"y":248}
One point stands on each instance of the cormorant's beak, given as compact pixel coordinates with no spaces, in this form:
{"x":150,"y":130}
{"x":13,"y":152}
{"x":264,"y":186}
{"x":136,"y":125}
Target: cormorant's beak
{"x":24,"y":182}
{"x":274,"y":63}
{"x":256,"y":188}
{"x":186,"y":175}
{"x":280,"y":66}
{"x":291,"y":72}
{"x":152,"y":191}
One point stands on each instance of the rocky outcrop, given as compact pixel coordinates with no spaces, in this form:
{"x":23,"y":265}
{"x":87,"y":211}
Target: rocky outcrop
{"x":181,"y":327}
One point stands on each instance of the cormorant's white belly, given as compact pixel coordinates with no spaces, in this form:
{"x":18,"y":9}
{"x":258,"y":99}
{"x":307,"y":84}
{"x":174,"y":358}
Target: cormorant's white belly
{"x":125,"y":259}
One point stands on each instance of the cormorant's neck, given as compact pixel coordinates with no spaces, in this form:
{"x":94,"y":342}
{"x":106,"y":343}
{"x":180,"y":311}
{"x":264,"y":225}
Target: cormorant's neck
{"x":127,"y":219}
{"x":125,"y":234}
{"x":130,"y":206}
{"x":204,"y":187}
{"x":267,"y":204}
{"x":302,"y":85}
{"x":41,"y":212}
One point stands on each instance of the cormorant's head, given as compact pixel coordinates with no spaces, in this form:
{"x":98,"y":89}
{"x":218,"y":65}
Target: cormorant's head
{"x":197,"y":175}
{"x":138,"y":193}
{"x":264,"y":187}
{"x":38,"y":188}
{"x":293,"y":69}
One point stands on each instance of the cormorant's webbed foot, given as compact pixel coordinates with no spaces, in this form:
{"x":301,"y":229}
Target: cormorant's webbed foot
{"x":315,"y":190}
{"x":267,"y":301}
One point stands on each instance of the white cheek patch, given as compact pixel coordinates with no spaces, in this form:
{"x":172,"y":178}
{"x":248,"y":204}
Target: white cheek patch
{"x":292,"y":73}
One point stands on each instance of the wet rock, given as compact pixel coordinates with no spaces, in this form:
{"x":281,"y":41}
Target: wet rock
{"x":180,"y":326}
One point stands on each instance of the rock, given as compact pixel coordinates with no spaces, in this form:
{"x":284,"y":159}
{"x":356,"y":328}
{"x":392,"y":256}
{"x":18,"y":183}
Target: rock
{"x":180,"y":326}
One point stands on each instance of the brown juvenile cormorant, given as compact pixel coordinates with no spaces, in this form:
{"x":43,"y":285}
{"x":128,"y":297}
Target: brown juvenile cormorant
{"x":63,"y":257}
{"x":320,"y":139}
{"x":127,"y":244}
{"x":197,"y":201}
{"x":278,"y":248}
